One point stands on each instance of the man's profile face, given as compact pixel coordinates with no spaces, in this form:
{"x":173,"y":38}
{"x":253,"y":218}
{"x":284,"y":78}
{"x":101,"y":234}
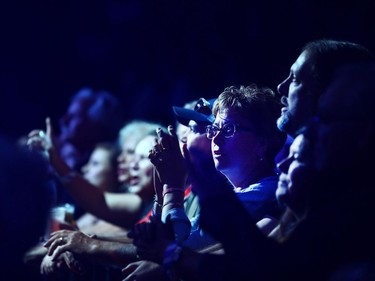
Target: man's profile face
{"x":298,"y":92}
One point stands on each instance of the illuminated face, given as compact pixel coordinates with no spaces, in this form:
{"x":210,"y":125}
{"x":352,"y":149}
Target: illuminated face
{"x":238,"y":155}
{"x":141,"y":168}
{"x":99,"y":171}
{"x":298,"y":96}
{"x":296,"y":177}
{"x":127,"y":153}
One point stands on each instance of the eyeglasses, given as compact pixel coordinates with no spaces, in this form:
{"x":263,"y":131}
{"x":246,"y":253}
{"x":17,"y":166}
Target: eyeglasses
{"x":228,"y":130}
{"x":203,"y":106}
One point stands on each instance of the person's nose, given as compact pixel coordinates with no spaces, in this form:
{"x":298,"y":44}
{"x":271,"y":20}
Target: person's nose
{"x":282,"y":88}
{"x":120,"y":158}
{"x":133,"y":162}
{"x":218,"y":138}
{"x":84,"y":169}
{"x":283,"y":165}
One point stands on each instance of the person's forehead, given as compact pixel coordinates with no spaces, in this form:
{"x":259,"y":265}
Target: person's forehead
{"x":101,"y":152}
{"x":130,"y":142}
{"x":229,"y":115}
{"x":145,"y":144}
{"x":301,"y":64}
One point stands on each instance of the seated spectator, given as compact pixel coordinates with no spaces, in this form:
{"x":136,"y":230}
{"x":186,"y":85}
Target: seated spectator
{"x":92,"y":116}
{"x":101,"y":171}
{"x":327,"y":189}
{"x":123,"y":252}
{"x":122,"y":209}
{"x":110,"y":247}
{"x":244,"y":143}
{"x":309,"y":76}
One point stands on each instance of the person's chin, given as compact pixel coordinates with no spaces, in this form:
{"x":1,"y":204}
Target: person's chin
{"x":281,"y":195}
{"x":282,"y":122}
{"x":217,"y":164}
{"x":123,"y":179}
{"x":134,"y":189}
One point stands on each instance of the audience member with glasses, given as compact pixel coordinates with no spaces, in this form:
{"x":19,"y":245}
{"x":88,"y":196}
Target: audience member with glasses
{"x":244,"y":142}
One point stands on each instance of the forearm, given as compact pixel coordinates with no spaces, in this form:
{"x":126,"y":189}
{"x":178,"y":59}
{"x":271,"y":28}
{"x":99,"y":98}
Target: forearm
{"x":121,"y":209}
{"x":114,"y":253}
{"x":121,"y":238}
{"x":173,"y":210}
{"x":61,"y":168}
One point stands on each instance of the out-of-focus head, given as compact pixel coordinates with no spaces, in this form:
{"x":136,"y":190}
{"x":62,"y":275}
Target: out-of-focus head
{"x":345,"y":121}
{"x":92,"y":117}
{"x":295,"y":178}
{"x":141,"y":168}
{"x":128,"y":139}
{"x":25,"y":200}
{"x":245,"y":138}
{"x":310,"y":75}
{"x":101,"y":169}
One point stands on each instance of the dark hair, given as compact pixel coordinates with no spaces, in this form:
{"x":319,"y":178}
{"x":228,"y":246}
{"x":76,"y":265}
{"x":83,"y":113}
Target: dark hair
{"x":261,"y":107}
{"x":326,"y":55}
{"x":104,"y":108}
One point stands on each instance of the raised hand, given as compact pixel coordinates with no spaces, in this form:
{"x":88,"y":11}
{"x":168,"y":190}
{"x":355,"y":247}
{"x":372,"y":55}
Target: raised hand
{"x":40,"y":140}
{"x":168,"y":160}
{"x":170,"y":168}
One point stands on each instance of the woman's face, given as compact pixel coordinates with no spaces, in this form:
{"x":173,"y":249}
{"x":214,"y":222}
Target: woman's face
{"x":127,"y":152}
{"x":141,"y":168}
{"x":238,"y":155}
{"x":99,"y":170}
{"x":296,"y":175}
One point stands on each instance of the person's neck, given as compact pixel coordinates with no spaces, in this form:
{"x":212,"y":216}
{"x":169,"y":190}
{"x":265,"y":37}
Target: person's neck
{"x":251,"y":177}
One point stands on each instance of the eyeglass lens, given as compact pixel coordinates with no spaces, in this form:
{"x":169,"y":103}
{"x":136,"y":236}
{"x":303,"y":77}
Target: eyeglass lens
{"x":227,"y":130}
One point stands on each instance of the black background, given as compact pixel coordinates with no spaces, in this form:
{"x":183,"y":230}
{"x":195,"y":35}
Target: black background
{"x":155,"y":54}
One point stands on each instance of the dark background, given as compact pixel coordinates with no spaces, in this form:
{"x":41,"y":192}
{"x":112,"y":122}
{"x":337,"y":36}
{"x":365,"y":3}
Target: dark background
{"x":155,"y":54}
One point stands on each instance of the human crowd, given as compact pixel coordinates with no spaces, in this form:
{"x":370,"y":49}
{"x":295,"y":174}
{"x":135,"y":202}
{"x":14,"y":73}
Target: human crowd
{"x":248,"y":184}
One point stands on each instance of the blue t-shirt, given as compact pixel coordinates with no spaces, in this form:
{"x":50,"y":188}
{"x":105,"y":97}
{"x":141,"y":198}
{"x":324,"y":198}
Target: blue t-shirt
{"x":259,"y":200}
